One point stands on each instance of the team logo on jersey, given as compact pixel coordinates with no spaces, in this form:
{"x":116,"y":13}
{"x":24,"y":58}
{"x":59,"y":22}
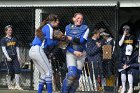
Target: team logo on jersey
{"x":128,"y":41}
{"x":74,"y":32}
{"x":11,"y":43}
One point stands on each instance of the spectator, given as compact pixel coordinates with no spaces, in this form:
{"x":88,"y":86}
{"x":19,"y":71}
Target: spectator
{"x":10,"y":49}
{"x":94,"y":55}
{"x":108,"y":62}
{"x":126,"y":44}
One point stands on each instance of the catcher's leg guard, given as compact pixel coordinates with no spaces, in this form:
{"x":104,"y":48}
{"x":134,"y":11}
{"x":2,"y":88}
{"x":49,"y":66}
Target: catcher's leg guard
{"x":70,"y":79}
{"x":76,"y":83}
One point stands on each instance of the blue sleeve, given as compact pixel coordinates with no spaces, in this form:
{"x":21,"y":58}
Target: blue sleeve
{"x":82,"y":40}
{"x":51,"y":42}
{"x":70,"y":49}
{"x":84,"y":37}
{"x":92,"y":49}
{"x":67,"y":29}
{"x":48,"y":36}
{"x":47,"y":32}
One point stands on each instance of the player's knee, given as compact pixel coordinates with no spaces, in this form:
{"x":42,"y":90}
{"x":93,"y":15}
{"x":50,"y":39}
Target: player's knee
{"x":72,"y":73}
{"x":41,"y":81}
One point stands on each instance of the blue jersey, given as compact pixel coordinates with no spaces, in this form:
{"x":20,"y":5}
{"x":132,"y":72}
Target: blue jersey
{"x":48,"y":40}
{"x":79,"y":36}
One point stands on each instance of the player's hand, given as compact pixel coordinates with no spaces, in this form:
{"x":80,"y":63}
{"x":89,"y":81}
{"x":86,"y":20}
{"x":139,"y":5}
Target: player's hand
{"x":69,"y":38}
{"x":78,"y":54}
{"x":124,"y":33}
{"x":125,"y":66}
{"x":98,"y":44}
{"x":9,"y":59}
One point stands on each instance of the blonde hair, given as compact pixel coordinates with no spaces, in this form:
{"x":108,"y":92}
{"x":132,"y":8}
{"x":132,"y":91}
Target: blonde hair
{"x":73,"y":19}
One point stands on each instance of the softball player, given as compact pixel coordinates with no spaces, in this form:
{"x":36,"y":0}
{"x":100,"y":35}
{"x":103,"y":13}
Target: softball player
{"x":10,"y":50}
{"x":77,"y":34}
{"x":126,"y":44}
{"x":43,"y":39}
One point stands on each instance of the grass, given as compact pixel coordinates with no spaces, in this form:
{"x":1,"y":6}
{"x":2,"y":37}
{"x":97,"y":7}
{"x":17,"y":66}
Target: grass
{"x":17,"y":91}
{"x":24,"y":91}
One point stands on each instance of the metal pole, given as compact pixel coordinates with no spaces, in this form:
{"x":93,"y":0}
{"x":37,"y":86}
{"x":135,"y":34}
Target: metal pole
{"x":139,"y":57}
{"x":94,"y":79}
{"x":116,"y":45}
{"x":31,"y":77}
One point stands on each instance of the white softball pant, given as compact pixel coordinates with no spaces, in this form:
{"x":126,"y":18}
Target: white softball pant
{"x":41,"y":61}
{"x":72,"y":60}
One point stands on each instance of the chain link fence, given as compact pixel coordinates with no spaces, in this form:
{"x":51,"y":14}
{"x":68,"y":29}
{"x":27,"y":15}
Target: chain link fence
{"x":26,"y":20}
{"x":95,"y":17}
{"x":22,"y":21}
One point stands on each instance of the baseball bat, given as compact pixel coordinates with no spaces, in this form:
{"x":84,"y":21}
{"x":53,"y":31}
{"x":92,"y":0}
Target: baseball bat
{"x":88,"y":74}
{"x":94,"y":79}
{"x":128,"y":62}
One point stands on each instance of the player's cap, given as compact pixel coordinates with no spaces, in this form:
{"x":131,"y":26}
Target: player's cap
{"x":129,"y":50}
{"x":8,"y":26}
{"x":126,"y":27}
{"x":104,"y":34}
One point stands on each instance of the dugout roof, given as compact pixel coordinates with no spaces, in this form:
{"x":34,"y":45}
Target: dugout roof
{"x":50,"y":3}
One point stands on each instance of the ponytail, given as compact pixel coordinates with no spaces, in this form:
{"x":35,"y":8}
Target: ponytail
{"x":49,"y":19}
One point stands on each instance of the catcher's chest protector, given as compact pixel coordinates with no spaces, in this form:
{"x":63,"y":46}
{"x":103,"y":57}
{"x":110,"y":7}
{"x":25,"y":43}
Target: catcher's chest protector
{"x":76,"y":31}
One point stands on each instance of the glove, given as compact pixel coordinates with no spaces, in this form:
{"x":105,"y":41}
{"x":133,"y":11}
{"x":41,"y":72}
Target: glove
{"x":59,"y":35}
{"x":9,"y":59}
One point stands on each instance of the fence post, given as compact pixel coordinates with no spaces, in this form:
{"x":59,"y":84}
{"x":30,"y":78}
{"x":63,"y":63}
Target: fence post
{"x":116,"y":46}
{"x":37,"y":24}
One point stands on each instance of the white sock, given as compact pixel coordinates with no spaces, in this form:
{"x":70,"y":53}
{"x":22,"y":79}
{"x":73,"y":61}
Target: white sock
{"x":123,"y":79}
{"x":8,"y":79}
{"x":17,"y":79}
{"x":130,"y":80}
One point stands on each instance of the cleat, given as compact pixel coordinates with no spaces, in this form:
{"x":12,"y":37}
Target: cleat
{"x":18,"y":87}
{"x":130,"y":90}
{"x":122,"y":90}
{"x":11,"y":87}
